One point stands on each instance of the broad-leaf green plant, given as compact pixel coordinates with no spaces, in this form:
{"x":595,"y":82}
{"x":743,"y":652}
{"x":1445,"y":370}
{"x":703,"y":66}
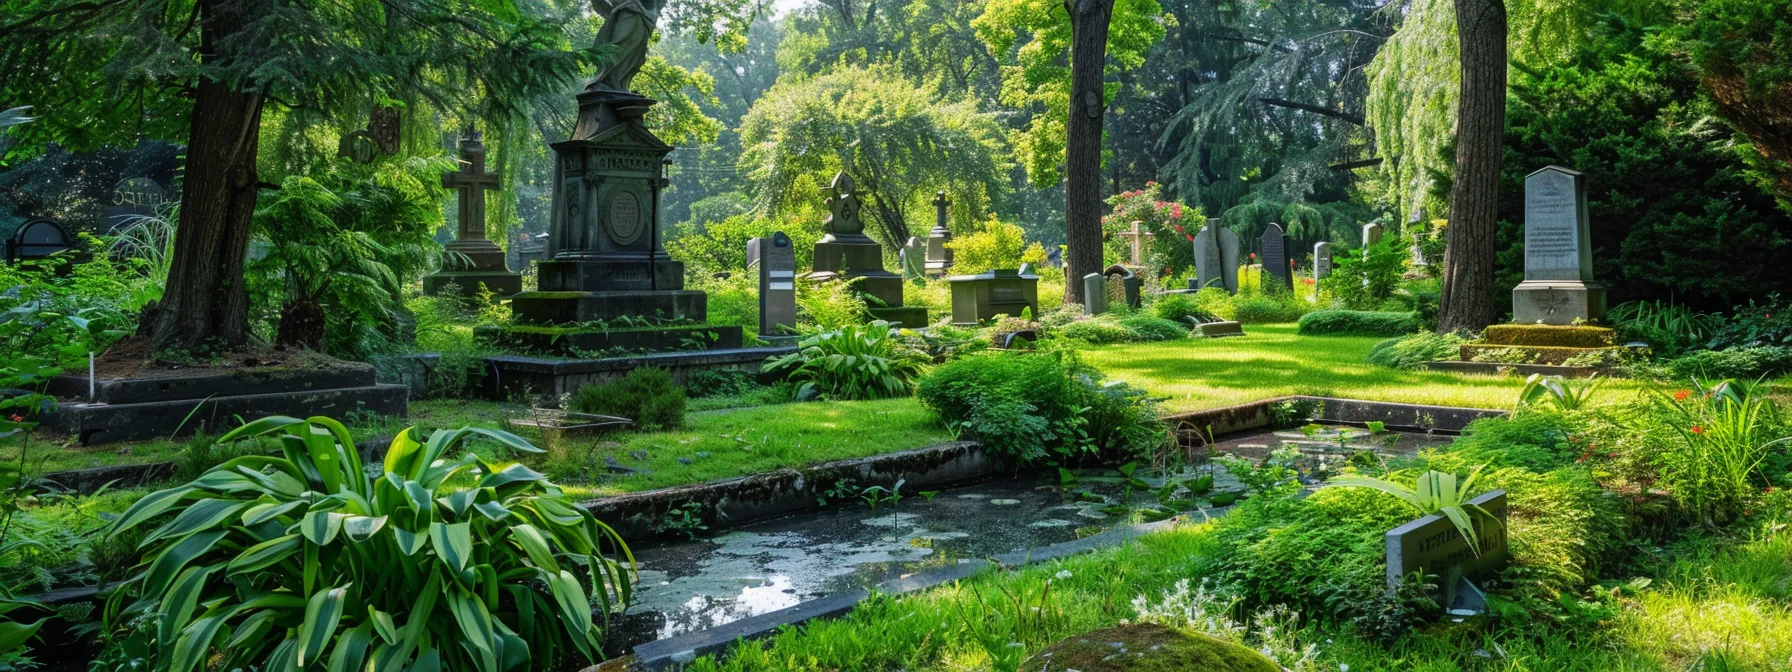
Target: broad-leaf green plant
{"x":1561,"y":394}
{"x":1434,"y":492}
{"x":303,"y":560}
{"x":852,"y":362}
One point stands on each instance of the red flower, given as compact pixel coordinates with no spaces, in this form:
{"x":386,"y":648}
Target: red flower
{"x":1191,"y":238}
{"x":1697,"y":430}
{"x":18,"y":418}
{"x":1253,"y":256}
{"x":1681,"y":395}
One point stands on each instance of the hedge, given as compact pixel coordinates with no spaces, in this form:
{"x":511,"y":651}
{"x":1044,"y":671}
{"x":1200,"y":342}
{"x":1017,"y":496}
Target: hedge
{"x":1358,"y":323}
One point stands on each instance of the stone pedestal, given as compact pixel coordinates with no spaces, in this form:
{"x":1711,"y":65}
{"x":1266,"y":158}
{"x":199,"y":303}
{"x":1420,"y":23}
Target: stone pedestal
{"x":939,"y":257}
{"x":1556,"y":302}
{"x":976,"y":298}
{"x":846,"y":254}
{"x":473,"y":263}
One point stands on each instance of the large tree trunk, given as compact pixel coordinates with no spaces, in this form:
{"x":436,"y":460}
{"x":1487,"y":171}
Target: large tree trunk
{"x":204,"y":304}
{"x":1082,"y":149}
{"x":1469,"y":300}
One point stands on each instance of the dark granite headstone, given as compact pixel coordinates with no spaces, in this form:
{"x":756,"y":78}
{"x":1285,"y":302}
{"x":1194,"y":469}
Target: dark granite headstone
{"x":1216,"y":257}
{"x":1558,"y":285}
{"x":980,"y":297}
{"x":132,"y":199}
{"x":776,"y":260}
{"x":1095,"y":293}
{"x":846,"y":253}
{"x":1274,"y":245}
{"x":37,"y":239}
{"x":1322,"y":261}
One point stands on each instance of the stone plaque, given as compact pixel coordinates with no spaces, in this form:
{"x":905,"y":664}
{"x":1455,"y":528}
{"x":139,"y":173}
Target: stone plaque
{"x":1433,"y":545}
{"x":1322,"y":261}
{"x":625,"y":217}
{"x":132,"y":198}
{"x":776,"y":260}
{"x":1275,"y":257}
{"x":1556,"y":245}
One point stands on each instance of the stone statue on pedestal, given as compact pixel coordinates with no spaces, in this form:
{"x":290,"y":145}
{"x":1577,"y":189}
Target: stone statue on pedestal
{"x":628,"y":27}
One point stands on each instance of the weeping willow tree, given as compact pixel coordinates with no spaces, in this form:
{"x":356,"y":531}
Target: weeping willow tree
{"x":899,"y":143}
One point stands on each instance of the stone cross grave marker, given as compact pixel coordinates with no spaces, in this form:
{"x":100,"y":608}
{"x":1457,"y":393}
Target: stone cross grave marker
{"x":939,"y":257}
{"x":776,"y":259}
{"x":473,"y":261}
{"x":1275,"y":257}
{"x":1136,"y":237}
{"x":1558,"y":285}
{"x":472,"y":182}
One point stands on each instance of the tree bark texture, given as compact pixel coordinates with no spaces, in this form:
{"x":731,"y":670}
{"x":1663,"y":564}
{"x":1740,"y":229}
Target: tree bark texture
{"x":1082,"y":146}
{"x":204,"y":305}
{"x":1468,"y":300}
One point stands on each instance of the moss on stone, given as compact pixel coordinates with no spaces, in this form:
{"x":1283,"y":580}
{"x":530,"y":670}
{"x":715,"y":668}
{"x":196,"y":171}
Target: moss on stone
{"x":1550,"y":336}
{"x":1147,"y":647}
{"x":1538,"y":354}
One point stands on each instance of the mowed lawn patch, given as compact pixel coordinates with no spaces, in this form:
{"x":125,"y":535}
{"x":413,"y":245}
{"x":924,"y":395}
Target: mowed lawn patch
{"x":1270,"y":360}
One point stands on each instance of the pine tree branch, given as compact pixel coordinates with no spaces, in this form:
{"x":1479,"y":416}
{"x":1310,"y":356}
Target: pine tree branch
{"x":1353,"y":165}
{"x":1346,"y":117}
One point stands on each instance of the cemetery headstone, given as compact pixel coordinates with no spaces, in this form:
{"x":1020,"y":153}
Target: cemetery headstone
{"x":980,"y":297}
{"x":1432,"y":545}
{"x":939,"y":257}
{"x":1095,"y":293}
{"x":1558,"y":285}
{"x":1322,"y":261}
{"x":133,"y":199}
{"x":776,"y":261}
{"x":1420,"y":232}
{"x":37,"y":239}
{"x":846,"y":253}
{"x":1371,"y":236}
{"x":913,"y":257}
{"x":1216,"y":257}
{"x":1131,"y":285}
{"x":1136,"y":238}
{"x":1275,"y":257}
{"x":473,"y":262}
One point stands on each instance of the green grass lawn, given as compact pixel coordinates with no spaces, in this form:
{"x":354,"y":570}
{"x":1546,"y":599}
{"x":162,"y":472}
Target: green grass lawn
{"x":1272,"y":361}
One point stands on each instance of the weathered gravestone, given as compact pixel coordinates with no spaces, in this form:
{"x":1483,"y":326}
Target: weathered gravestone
{"x":776,"y":262}
{"x":1322,"y":261}
{"x":913,"y":257}
{"x":1558,"y":285}
{"x":132,"y":200}
{"x":1431,"y":545}
{"x":1130,"y":289}
{"x":1371,"y":236}
{"x":939,"y":256}
{"x":845,"y":253}
{"x":472,"y":262}
{"x":37,"y":239}
{"x":1216,"y":257}
{"x":976,"y":298}
{"x":1275,"y":258}
{"x":1136,"y":238}
{"x":1095,"y":293}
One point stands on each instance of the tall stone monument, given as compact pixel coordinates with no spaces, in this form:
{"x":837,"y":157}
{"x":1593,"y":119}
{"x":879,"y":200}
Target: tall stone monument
{"x":607,"y":284}
{"x":1216,"y":257}
{"x":473,"y":262}
{"x":845,"y":253}
{"x":1558,"y":285}
{"x":1275,"y":258}
{"x":939,"y":257}
{"x":776,"y":262}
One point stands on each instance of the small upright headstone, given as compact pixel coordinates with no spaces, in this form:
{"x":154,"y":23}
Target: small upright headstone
{"x":1216,"y":257}
{"x":939,"y":257}
{"x":1371,"y":236}
{"x":1095,"y":293}
{"x":1432,"y":545}
{"x":37,"y":239}
{"x":776,"y":260}
{"x":1275,"y":257}
{"x":473,"y":262}
{"x":1558,"y":285}
{"x":845,"y":253}
{"x":1131,"y":289}
{"x":913,"y":257}
{"x":1322,"y":261}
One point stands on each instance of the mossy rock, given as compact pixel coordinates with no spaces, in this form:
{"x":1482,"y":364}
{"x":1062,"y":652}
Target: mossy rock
{"x":1147,"y":647}
{"x":1549,"y":336}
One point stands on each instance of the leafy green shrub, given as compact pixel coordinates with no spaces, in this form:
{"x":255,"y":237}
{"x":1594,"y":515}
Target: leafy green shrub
{"x":1000,"y":245}
{"x":1716,"y":444}
{"x":1268,"y":309}
{"x":305,"y":561}
{"x":1749,"y":363}
{"x":1216,"y":302}
{"x":1364,"y":279}
{"x":1667,"y":327}
{"x":1412,"y":351}
{"x":648,"y":395}
{"x":721,"y":382}
{"x":854,"y":362}
{"x":1536,"y":441}
{"x":1357,"y":323}
{"x":1098,"y":330}
{"x":1145,"y":327}
{"x":1177,"y":308}
{"x":1039,"y":407}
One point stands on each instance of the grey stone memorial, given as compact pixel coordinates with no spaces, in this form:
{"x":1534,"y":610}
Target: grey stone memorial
{"x":980,"y":297}
{"x":939,"y":256}
{"x":1136,"y":239}
{"x":1431,"y":545}
{"x":1095,"y":293}
{"x":1322,"y":261}
{"x":1558,"y":285}
{"x":846,"y":253}
{"x":1131,"y":288}
{"x":1274,"y":245}
{"x":37,"y":239}
{"x":1371,"y":236}
{"x":473,"y":262}
{"x":1216,"y":257}
{"x":913,"y":257}
{"x":776,"y":262}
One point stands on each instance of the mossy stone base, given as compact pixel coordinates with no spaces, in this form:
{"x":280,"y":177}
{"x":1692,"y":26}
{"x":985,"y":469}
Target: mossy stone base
{"x":574,"y":341}
{"x":1539,"y":354}
{"x":566,"y":307}
{"x":1147,"y":647}
{"x":1549,"y":336}
{"x":468,"y":283}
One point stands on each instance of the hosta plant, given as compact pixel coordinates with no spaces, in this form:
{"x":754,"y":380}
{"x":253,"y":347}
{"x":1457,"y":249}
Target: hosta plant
{"x":303,"y":561}
{"x":854,"y":362}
